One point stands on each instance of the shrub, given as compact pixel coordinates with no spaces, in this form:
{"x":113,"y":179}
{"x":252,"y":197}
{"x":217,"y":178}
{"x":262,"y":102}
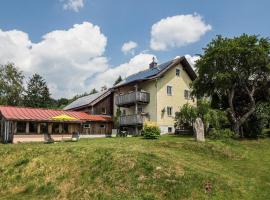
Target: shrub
{"x":217,"y":119}
{"x":220,"y":134}
{"x":151,"y":132}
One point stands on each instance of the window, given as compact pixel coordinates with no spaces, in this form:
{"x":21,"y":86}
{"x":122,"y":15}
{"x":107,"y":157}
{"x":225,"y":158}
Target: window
{"x":32,"y":127}
{"x":21,"y":127}
{"x":169,"y":90}
{"x":169,"y":129}
{"x":86,"y":126}
{"x":140,"y":109}
{"x":103,"y":110}
{"x":169,"y":111}
{"x":187,"y":94}
{"x":43,"y":128}
{"x":55,"y":128}
{"x":65,"y":128}
{"x":177,"y":72}
{"x":102,"y":126}
{"x":124,"y":112}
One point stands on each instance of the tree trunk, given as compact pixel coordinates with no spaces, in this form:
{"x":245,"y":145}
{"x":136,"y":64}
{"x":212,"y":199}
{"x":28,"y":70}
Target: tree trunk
{"x":239,"y":121}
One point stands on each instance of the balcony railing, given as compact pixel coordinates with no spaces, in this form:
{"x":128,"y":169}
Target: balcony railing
{"x":132,"y":98}
{"x":131,"y":120}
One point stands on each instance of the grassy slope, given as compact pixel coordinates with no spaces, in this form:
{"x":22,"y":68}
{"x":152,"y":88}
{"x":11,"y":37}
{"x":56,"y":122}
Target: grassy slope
{"x":134,"y":168}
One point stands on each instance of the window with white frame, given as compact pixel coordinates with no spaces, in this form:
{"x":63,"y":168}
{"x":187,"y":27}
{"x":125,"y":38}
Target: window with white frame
{"x":177,"y":72}
{"x":169,"y":110}
{"x":187,"y":94}
{"x":103,"y":110}
{"x":169,"y":90}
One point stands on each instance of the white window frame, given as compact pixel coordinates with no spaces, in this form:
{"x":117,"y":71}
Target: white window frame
{"x":188,"y":94}
{"x":169,"y":86}
{"x":171,"y":109}
{"x":177,"y":69}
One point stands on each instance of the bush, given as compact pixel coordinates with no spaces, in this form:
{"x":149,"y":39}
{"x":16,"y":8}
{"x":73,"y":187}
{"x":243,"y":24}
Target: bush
{"x":217,"y":119}
{"x":220,"y":134}
{"x":151,"y":132}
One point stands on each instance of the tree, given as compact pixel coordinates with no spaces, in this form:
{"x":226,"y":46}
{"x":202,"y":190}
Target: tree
{"x":11,"y":85}
{"x":118,"y":80}
{"x":236,"y":68}
{"x":93,"y":91}
{"x":37,"y":94}
{"x":61,"y":103}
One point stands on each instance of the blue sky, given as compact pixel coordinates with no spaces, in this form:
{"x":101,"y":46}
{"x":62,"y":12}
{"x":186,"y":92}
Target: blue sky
{"x":119,"y":21}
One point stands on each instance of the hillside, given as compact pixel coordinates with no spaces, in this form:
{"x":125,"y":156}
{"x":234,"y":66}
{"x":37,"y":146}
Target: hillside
{"x":133,"y":168}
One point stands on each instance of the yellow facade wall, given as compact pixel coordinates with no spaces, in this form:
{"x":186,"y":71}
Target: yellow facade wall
{"x":179,"y":84}
{"x":159,"y":100}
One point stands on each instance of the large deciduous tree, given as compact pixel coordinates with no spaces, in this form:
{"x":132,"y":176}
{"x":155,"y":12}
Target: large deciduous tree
{"x":11,"y":85}
{"x":37,"y":94}
{"x":236,"y":68}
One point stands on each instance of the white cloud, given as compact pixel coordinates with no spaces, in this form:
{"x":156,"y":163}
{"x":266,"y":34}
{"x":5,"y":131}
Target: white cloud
{"x":129,"y":47}
{"x":177,"y":31}
{"x":74,"y":5}
{"x":192,"y":59}
{"x":65,"y":58}
{"x":137,"y":63}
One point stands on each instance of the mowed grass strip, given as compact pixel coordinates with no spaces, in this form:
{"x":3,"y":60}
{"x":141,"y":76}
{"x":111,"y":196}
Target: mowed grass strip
{"x":134,"y":168}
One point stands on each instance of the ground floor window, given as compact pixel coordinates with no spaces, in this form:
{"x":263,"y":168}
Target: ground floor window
{"x":21,"y":127}
{"x":32,"y":127}
{"x":169,"y":129}
{"x":56,"y":128}
{"x":102,"y":126}
{"x":44,"y":128}
{"x":65,"y":128}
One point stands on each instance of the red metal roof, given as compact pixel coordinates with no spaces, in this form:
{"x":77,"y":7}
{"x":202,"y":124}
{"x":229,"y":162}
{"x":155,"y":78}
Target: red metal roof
{"x":40,"y":114}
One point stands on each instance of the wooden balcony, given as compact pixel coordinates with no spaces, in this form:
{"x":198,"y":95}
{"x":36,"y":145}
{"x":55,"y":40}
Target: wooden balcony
{"x":131,"y":120}
{"x":132,"y":98}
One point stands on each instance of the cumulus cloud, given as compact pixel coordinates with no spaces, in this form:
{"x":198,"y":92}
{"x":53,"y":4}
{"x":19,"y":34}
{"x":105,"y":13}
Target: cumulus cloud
{"x":177,"y":31}
{"x":137,"y":63}
{"x":192,"y":59}
{"x":65,"y":58}
{"x":74,"y":5}
{"x":129,"y":47}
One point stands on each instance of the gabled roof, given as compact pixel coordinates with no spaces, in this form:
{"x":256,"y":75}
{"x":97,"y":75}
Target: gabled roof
{"x":158,"y":71}
{"x":91,"y":99}
{"x":40,"y":114}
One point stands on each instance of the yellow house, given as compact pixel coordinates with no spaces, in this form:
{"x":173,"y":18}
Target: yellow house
{"x":154,"y":95}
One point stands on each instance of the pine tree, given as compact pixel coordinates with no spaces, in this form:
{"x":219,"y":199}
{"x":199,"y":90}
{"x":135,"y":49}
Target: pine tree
{"x":118,"y":80}
{"x":37,"y":93}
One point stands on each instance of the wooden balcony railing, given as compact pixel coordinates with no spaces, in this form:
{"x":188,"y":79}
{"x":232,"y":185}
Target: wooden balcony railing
{"x":129,"y":120}
{"x":132,"y":98}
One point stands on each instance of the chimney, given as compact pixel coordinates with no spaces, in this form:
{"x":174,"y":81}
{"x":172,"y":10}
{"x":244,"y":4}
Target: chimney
{"x":153,"y":63}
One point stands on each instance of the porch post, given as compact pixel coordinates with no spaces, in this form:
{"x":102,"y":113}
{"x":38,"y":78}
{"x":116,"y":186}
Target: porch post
{"x":15,"y":127}
{"x":60,"y":128}
{"x":27,"y":128}
{"x":38,"y":128}
{"x":50,"y":128}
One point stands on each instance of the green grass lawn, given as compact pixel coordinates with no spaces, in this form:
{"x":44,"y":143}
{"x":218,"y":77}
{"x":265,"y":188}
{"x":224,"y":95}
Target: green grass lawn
{"x":172,"y":167}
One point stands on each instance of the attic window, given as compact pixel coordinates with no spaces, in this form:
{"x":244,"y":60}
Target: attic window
{"x":177,"y":72}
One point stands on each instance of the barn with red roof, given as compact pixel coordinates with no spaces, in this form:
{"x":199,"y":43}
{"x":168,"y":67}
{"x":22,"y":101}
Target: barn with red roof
{"x":19,"y":124}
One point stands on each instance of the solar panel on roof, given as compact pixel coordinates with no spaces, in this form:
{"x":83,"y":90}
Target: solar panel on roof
{"x":84,"y":100}
{"x":146,"y":73}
